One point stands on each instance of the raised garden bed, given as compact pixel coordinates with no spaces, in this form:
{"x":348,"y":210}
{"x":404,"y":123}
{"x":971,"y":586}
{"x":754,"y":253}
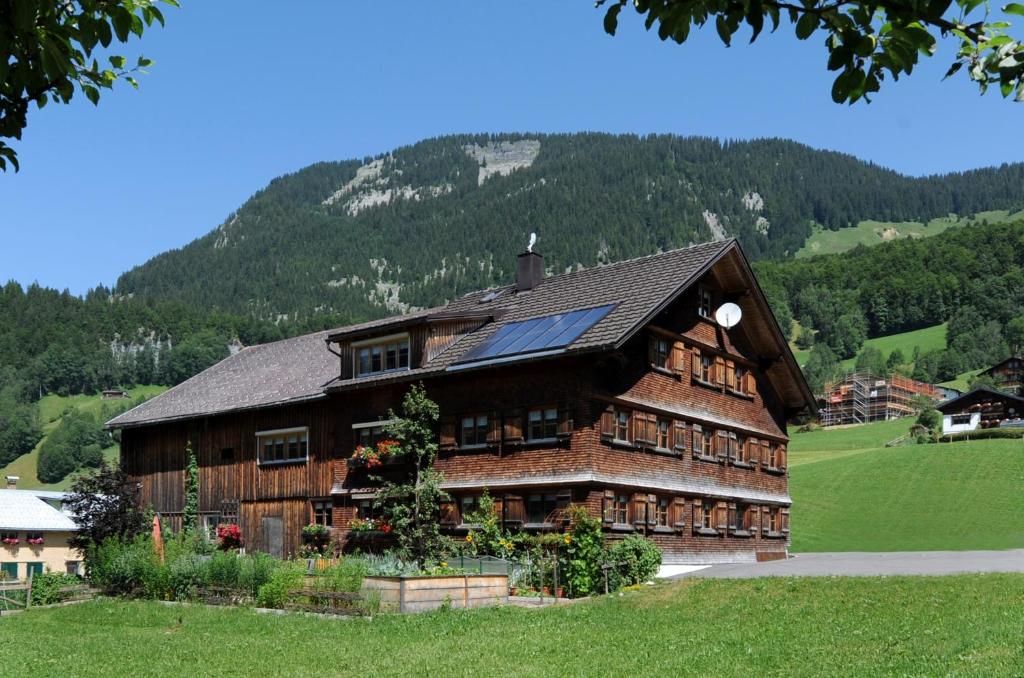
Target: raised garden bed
{"x":419,"y":594}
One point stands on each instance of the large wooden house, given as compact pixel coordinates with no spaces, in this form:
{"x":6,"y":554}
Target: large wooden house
{"x":612,"y":387}
{"x":1008,"y":375}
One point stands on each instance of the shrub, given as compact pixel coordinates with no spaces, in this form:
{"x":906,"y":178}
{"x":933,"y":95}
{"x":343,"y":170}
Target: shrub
{"x":255,"y":571}
{"x":345,"y":576}
{"x":387,"y":564}
{"x":224,"y":570}
{"x":985,"y":434}
{"x":121,"y":568}
{"x":637,"y":560}
{"x":289,"y":576}
{"x":187,"y":572}
{"x":46,"y":587}
{"x":582,"y":554}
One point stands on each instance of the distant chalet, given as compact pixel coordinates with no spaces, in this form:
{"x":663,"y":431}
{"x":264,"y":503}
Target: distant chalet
{"x":611,"y":387}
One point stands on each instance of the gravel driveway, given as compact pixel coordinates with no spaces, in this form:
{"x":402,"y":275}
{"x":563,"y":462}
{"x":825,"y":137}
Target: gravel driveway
{"x":857,"y":564}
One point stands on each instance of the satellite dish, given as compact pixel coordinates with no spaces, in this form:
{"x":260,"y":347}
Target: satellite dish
{"x":728,"y":315}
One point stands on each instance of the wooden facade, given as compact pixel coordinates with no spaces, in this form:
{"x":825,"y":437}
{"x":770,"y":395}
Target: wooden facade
{"x":676,"y":379}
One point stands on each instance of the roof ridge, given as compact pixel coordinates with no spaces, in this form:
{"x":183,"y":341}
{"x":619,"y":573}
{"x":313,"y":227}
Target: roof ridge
{"x":622,"y":262}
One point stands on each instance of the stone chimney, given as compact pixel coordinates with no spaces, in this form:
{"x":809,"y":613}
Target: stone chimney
{"x":529,"y":270}
{"x":12,"y":482}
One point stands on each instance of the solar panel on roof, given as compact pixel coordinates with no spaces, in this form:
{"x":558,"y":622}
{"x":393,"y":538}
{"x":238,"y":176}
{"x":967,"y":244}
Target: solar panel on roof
{"x":538,"y":334}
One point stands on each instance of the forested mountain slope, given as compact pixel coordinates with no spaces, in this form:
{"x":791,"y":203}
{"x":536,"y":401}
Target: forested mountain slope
{"x":346,"y":241}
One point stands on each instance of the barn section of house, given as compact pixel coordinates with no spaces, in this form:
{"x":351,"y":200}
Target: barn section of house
{"x":611,"y":387}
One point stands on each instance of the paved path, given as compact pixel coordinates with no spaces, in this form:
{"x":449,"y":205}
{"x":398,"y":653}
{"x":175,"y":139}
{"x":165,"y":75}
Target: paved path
{"x":871,"y":564}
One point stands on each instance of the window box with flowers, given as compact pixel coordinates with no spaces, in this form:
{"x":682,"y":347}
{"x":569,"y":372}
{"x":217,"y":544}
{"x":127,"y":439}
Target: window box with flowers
{"x":368,"y":528}
{"x":35,"y":539}
{"x":384,"y":452}
{"x":9,"y":539}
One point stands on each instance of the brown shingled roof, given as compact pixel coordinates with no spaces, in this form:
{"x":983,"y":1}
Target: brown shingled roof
{"x":300,"y":368}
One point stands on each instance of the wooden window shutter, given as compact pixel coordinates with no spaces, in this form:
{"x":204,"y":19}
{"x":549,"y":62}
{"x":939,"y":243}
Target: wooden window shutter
{"x":678,"y":516}
{"x":514,"y":427}
{"x":766,"y":453}
{"x":565,"y":421}
{"x":678,"y":358}
{"x":608,"y":423}
{"x":698,"y":440}
{"x":721,"y":516}
{"x":652,"y":508}
{"x":730,"y":373}
{"x":679,"y":436}
{"x":755,"y":512}
{"x":652,"y":349}
{"x":494,"y":429}
{"x":638,"y":510}
{"x":513,"y":511}
{"x":722,"y":445}
{"x":695,"y":362}
{"x":719,"y":371}
{"x":607,"y":510}
{"x":447,"y":439}
{"x":449,"y":512}
{"x":752,"y":451}
{"x":765,"y":510}
{"x":784,"y":520}
{"x":782,"y":457}
{"x":638,"y":422}
{"x":750,"y":387}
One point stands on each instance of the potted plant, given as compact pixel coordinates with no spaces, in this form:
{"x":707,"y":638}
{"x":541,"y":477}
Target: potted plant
{"x":36,"y":541}
{"x":11,"y":541}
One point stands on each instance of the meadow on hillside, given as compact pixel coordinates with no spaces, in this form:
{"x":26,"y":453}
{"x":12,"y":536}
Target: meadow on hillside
{"x":851,"y":493}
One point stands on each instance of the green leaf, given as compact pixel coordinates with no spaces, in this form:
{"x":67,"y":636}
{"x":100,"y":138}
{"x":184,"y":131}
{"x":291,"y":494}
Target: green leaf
{"x":805,"y":27}
{"x":957,"y":65}
{"x":1014,"y":8}
{"x":723,"y":29}
{"x":611,"y":19}
{"x":92,"y":94}
{"x":117,"y":61}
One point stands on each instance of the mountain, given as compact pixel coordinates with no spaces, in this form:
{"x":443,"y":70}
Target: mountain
{"x":346,"y":241}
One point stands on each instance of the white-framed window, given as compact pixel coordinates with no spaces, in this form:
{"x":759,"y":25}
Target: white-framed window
{"x":704,"y":307}
{"x":473,"y":430}
{"x":542,"y":424}
{"x":376,"y":356}
{"x":210,"y":523}
{"x":283,"y":445}
{"x":369,"y":433}
{"x":960,"y":419}
{"x":622,"y":426}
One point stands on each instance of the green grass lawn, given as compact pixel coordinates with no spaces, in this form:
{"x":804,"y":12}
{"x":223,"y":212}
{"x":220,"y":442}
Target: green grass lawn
{"x":51,"y":407}
{"x":962,"y":380}
{"x":964,"y":625}
{"x":869,"y":232}
{"x":850,"y":493}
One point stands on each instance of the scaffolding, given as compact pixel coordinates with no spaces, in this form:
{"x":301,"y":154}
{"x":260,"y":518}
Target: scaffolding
{"x":861,"y":397}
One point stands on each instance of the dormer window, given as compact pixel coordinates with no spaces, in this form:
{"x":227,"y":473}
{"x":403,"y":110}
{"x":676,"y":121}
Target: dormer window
{"x":704,"y":305}
{"x":376,"y":356}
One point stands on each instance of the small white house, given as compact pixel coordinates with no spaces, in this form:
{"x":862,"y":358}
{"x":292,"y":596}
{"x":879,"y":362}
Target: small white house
{"x":983,"y":407}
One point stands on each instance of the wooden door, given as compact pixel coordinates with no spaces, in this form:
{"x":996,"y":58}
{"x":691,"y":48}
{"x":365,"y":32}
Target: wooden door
{"x":273,"y":536}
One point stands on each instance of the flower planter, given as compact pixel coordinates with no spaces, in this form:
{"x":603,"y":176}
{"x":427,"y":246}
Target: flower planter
{"x":419,"y":594}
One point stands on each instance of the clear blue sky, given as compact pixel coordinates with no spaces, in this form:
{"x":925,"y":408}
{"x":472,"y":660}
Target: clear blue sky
{"x":245,"y":91}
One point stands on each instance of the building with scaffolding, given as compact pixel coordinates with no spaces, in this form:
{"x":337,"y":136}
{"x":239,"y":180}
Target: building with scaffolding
{"x":860,"y":397}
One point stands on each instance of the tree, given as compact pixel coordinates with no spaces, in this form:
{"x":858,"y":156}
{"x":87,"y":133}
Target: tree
{"x":822,"y":367}
{"x":895,"y":359}
{"x":46,"y":49}
{"x":930,"y":418}
{"x":870,"y":359}
{"x":866,"y":41}
{"x":411,"y":505}
{"x":979,"y":380}
{"x":106,"y":506}
{"x":1014,"y":333}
